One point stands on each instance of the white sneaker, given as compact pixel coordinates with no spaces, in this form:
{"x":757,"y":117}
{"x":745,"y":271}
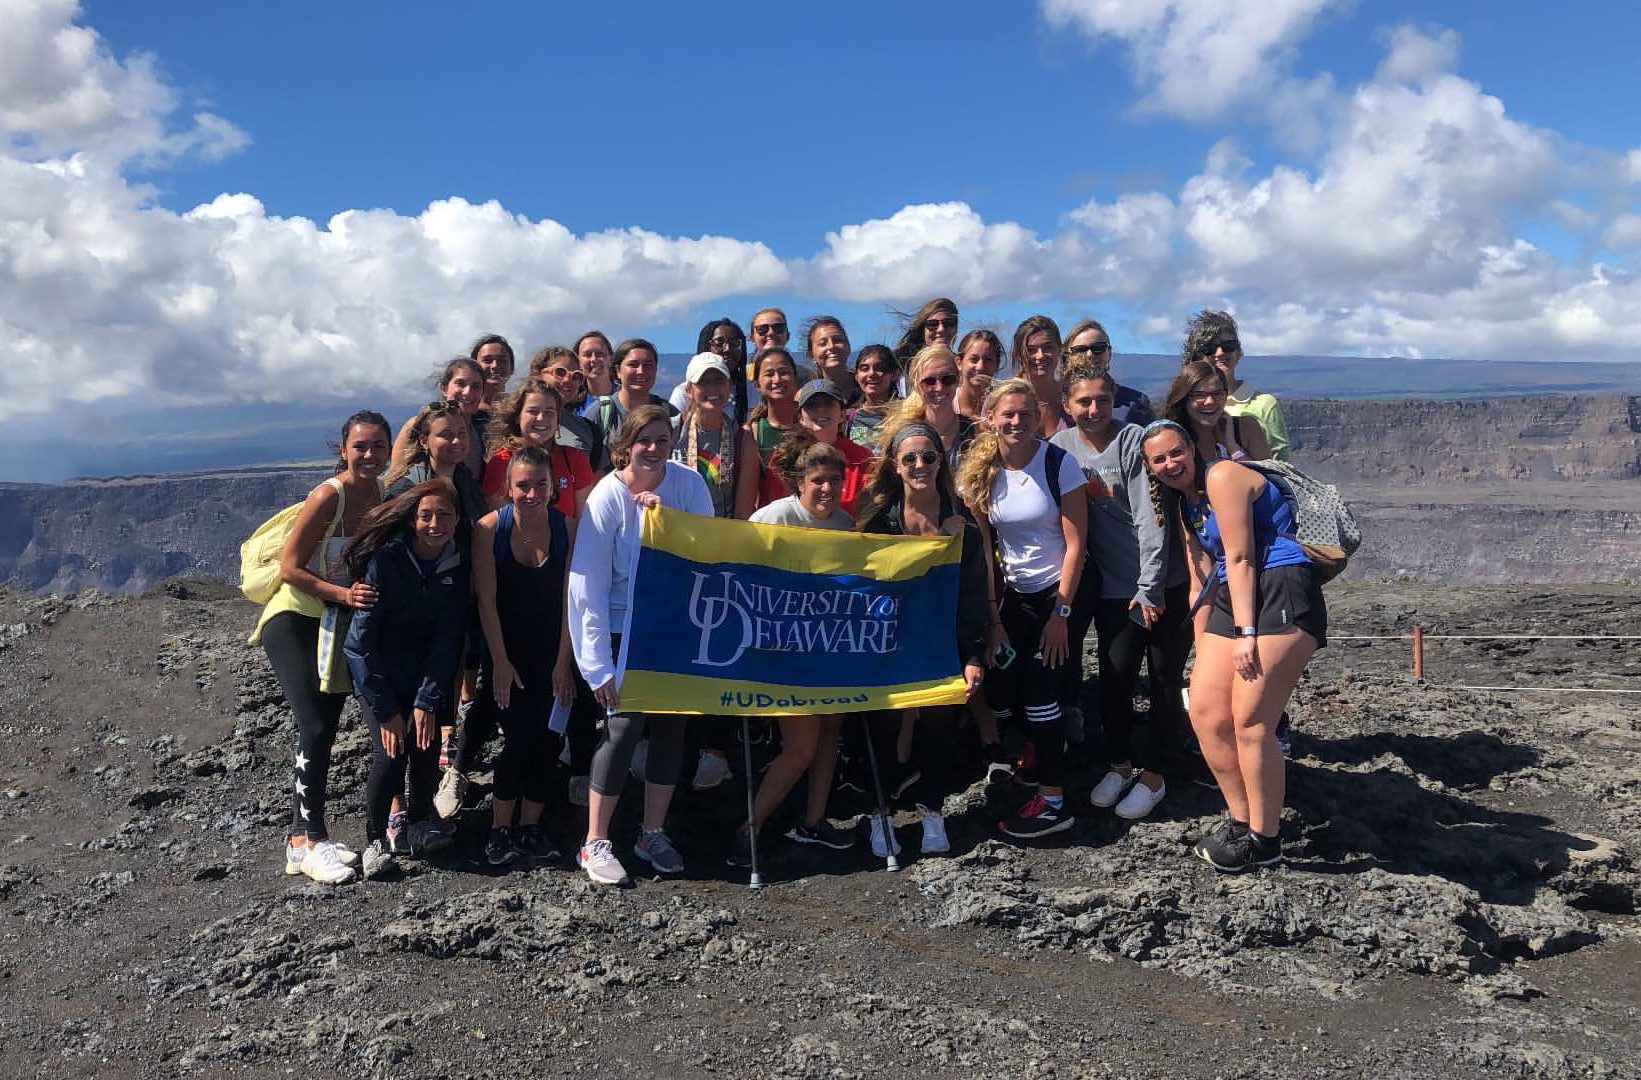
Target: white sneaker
{"x":579,"y":786}
{"x":295,"y":854}
{"x":1111,"y":788}
{"x":883,"y":837}
{"x":377,"y":860}
{"x":324,"y":864}
{"x":597,"y":857}
{"x":640,"y":757}
{"x":447,"y":801}
{"x":935,"y":841}
{"x":710,"y":771}
{"x":1140,"y":801}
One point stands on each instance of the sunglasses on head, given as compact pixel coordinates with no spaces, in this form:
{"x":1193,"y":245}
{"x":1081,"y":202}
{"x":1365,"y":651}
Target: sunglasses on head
{"x":439,"y":408}
{"x":919,"y":457}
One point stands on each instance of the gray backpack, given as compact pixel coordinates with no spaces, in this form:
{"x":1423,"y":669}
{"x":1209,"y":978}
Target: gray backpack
{"x":1322,"y":523}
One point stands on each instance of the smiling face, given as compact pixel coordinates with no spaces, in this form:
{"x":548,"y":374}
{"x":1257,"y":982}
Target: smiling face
{"x":446,"y":441}
{"x":366,"y":450}
{"x":497,"y":365}
{"x":711,"y":393}
{"x":1168,"y":456}
{"x":822,"y":414}
{"x":777,"y":379}
{"x":1089,"y":405}
{"x":940,"y":328}
{"x":1206,"y":402}
{"x":567,"y":380}
{"x":769,"y":329}
{"x":529,"y":487}
{"x":876,"y":375}
{"x":1042,"y":355}
{"x":917,"y":463}
{"x":978,"y":365}
{"x":652,"y":448}
{"x":433,"y":525}
{"x":1224,"y":351}
{"x":1014,"y":418}
{"x":465,"y":388}
{"x":637,"y":372}
{"x":538,"y":419}
{"x":819,"y":488}
{"x":937,"y":381}
{"x":829,"y":348}
{"x":1092,"y":345}
{"x":594,"y":357}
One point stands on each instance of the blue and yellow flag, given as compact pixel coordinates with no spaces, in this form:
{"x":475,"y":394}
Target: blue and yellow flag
{"x":736,"y":619}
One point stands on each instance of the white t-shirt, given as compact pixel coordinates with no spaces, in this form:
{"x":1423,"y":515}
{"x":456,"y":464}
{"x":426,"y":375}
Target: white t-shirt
{"x":1026,"y":519}
{"x":789,"y":511}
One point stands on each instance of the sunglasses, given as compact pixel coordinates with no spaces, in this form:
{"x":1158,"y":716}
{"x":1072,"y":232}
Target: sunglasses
{"x":919,"y":457}
{"x":440,"y":408}
{"x":769,"y":328}
{"x":941,"y":322}
{"x":1230,"y":346}
{"x":725,"y":343}
{"x":565,"y":373}
{"x":929,"y":382}
{"x":1097,"y":348}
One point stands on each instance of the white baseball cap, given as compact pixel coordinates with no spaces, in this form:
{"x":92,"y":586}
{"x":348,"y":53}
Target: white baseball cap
{"x":701,"y":363}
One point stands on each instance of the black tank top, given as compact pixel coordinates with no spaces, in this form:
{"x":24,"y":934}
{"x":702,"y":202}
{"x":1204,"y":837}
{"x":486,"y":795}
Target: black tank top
{"x":530,"y":599}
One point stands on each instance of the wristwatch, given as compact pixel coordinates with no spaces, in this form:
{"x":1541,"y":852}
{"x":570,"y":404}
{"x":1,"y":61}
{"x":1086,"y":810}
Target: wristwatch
{"x":1247,"y":631}
{"x":1062,"y":609}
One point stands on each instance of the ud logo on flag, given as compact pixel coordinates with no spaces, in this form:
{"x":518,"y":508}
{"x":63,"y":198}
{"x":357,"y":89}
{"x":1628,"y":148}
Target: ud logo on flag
{"x":788,"y":620}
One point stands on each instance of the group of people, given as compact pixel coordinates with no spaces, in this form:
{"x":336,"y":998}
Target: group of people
{"x":469,"y":575}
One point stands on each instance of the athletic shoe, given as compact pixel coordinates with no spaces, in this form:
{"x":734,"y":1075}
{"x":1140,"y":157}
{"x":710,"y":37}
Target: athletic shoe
{"x":377,"y":860}
{"x":498,"y":848}
{"x":935,"y":841}
{"x":579,"y":786}
{"x":1284,"y":734}
{"x":294,"y":854}
{"x":822,"y":833}
{"x":398,"y":833}
{"x":1235,"y":851}
{"x":883,"y":836}
{"x":532,"y":843}
{"x":640,"y":757}
{"x":447,"y":801}
{"x":654,"y":848}
{"x":1111,"y":788}
{"x":324,"y":864}
{"x":597,"y":857}
{"x":906,"y":776}
{"x":1217,"y":839}
{"x":740,"y":849}
{"x":1036,"y":818}
{"x":710,"y":771}
{"x":424,"y":838}
{"x":1140,"y":801}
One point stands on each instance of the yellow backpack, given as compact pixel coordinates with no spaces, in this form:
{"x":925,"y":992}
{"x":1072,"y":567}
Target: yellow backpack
{"x":259,"y":555}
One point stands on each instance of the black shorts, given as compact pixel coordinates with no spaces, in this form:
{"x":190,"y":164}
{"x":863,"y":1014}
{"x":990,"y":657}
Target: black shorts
{"x":1289,"y":598}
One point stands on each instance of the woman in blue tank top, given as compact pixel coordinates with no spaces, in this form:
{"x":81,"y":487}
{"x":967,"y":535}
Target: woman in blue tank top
{"x":1253,"y":641}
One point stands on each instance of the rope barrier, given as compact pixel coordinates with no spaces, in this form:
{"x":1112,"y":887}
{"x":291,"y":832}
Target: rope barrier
{"x":1487,"y":637}
{"x":1539,"y":689}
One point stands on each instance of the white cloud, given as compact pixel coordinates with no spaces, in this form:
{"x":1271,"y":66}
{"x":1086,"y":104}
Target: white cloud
{"x":1204,"y":59}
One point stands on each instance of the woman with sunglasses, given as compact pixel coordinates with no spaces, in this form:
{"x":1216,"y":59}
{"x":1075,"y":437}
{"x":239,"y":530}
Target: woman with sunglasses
{"x":557,"y":365}
{"x":911,"y":494}
{"x":1196,"y":401}
{"x":932,"y":399}
{"x":979,"y":355}
{"x":877,"y":374}
{"x":1037,"y":355}
{"x":1087,"y":341}
{"x":1212,"y":336}
{"x":935,"y":323}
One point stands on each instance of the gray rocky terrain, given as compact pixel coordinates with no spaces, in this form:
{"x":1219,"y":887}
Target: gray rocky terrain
{"x":1460,"y":897}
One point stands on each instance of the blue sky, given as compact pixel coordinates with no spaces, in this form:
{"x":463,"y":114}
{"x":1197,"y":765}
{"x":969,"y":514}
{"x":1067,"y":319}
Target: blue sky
{"x":248,"y":204}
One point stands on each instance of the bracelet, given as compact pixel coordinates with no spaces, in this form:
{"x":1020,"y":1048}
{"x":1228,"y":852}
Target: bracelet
{"x":1247,"y":631}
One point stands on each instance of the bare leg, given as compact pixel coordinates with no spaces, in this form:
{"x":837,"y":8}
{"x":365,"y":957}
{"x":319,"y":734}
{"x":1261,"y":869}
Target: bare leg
{"x":1211,"y":719}
{"x":823,"y":765}
{"x":799,"y":736}
{"x":1256,"y":706}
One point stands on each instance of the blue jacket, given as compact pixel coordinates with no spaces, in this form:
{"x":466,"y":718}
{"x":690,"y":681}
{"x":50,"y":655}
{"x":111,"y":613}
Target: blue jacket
{"x":403,"y":652}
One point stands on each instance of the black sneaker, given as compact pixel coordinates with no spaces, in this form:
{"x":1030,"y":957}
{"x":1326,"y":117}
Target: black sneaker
{"x":1036,"y":818}
{"x":531,"y":842}
{"x":740,"y":849}
{"x":1233,"y":848}
{"x":498,"y":849}
{"x":822,"y":833}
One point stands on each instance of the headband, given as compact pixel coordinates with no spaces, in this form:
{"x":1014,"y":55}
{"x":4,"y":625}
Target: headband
{"x":916,"y":427}
{"x":1164,"y":425}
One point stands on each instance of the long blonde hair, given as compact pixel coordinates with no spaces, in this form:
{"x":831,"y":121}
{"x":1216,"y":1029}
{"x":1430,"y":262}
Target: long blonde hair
{"x":984,"y":458}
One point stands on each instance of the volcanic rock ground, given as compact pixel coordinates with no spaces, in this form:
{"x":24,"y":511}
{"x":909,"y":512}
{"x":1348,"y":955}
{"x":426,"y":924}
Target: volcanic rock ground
{"x":1459,"y":898}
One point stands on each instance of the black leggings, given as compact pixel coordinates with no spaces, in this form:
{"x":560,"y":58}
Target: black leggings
{"x":934,"y":741}
{"x":582,"y":730}
{"x":528,"y":747}
{"x":387,"y":776}
{"x":1027,"y":685}
{"x":291,"y":641}
{"x":1123,"y":645}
